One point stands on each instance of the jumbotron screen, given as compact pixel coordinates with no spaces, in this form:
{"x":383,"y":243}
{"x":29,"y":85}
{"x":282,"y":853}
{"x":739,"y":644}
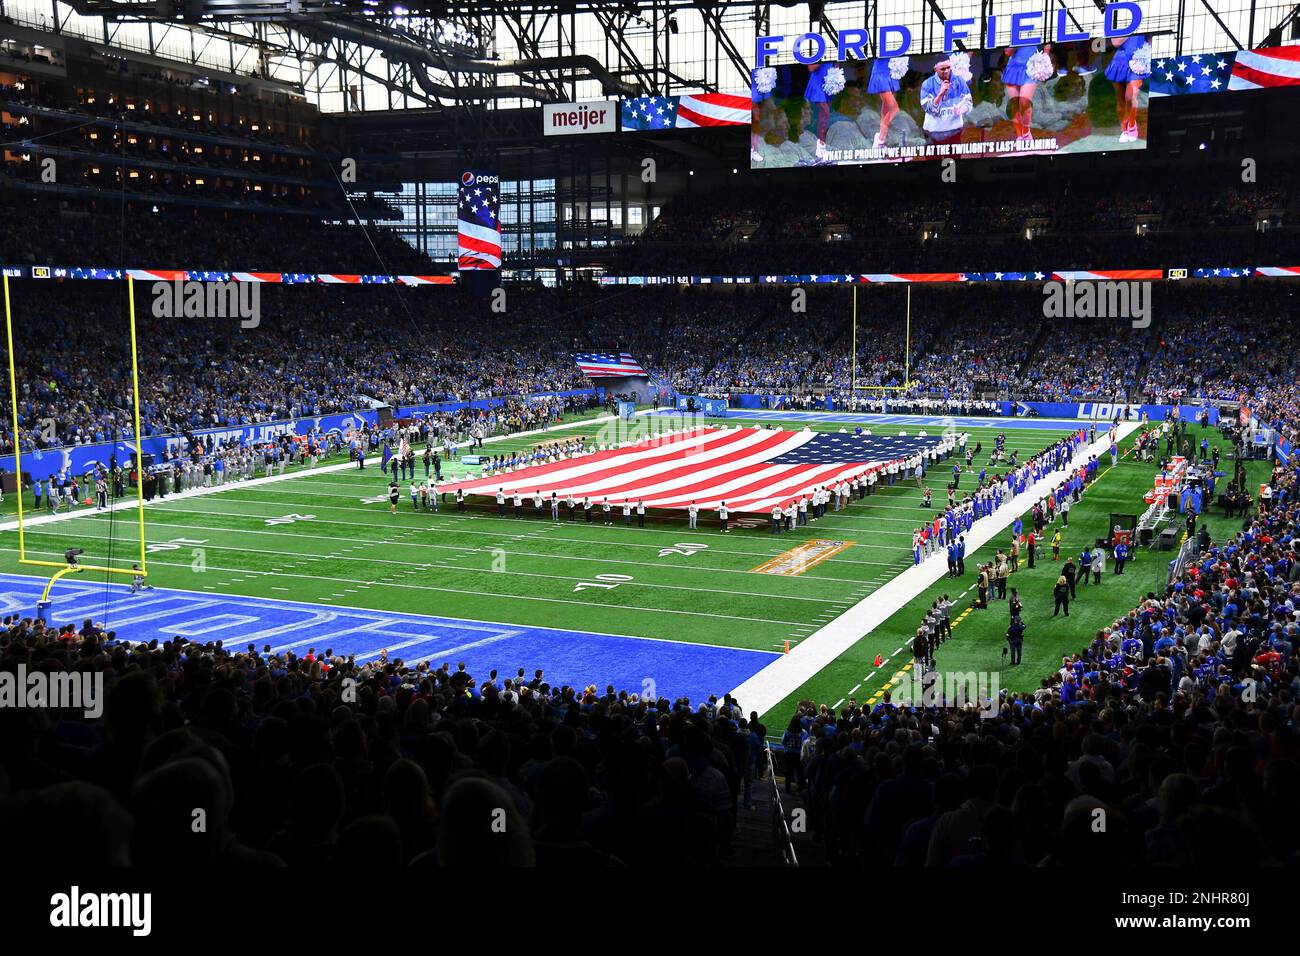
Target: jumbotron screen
{"x":1043,"y":99}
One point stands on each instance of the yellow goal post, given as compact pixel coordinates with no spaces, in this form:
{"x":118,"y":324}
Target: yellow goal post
{"x":63,"y":567}
{"x":907,"y":350}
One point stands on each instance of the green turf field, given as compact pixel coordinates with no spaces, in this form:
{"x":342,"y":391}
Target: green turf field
{"x":979,"y":635}
{"x":328,"y":538}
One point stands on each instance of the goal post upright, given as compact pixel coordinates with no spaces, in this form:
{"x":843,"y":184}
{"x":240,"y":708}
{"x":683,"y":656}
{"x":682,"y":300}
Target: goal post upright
{"x":13,"y":405}
{"x":64,"y":567}
{"x":135,"y":404}
{"x":907,"y":351}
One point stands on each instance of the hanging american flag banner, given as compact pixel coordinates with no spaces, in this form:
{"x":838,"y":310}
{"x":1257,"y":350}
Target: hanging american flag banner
{"x":752,"y":469}
{"x":1266,"y":68}
{"x":477,"y":204}
{"x":713,"y":109}
{"x":607,"y":364}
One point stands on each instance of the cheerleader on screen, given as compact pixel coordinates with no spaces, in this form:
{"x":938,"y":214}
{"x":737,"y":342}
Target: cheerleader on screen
{"x":1128,"y":68}
{"x":761,"y":85}
{"x":815,"y":94}
{"x":1020,"y":87}
{"x":883,"y":84}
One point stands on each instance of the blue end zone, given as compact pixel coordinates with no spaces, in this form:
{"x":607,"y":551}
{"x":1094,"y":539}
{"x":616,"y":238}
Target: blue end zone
{"x":930,"y":421}
{"x":568,"y":657}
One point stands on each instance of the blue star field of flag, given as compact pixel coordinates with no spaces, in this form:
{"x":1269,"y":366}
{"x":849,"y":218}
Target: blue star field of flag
{"x":834,"y":449}
{"x":1225,"y":273}
{"x":1194,"y":73}
{"x":649,"y":112}
{"x":480,"y":205}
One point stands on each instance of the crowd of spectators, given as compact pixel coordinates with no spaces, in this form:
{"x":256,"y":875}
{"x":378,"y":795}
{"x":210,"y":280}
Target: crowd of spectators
{"x":315,"y":350}
{"x":311,"y":759}
{"x":107,"y":235}
{"x":1178,"y":722}
{"x":971,"y":226}
{"x":323,"y":349}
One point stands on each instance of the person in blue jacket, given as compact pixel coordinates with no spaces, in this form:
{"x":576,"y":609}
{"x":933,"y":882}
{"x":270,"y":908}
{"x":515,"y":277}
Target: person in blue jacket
{"x":1121,"y":555}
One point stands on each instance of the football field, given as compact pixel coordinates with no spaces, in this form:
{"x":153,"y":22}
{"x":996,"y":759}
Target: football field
{"x":316,"y":559}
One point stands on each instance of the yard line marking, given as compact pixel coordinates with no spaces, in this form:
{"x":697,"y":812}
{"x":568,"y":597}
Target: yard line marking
{"x":767,"y":552}
{"x":788,"y":673}
{"x":331,"y":615}
{"x":529,"y":574}
{"x":300,"y":472}
{"x":493,"y":594}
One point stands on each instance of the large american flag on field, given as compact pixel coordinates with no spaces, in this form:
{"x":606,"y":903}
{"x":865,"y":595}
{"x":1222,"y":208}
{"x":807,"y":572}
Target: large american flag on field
{"x":607,"y":364}
{"x":751,"y":469}
{"x":477,"y":203}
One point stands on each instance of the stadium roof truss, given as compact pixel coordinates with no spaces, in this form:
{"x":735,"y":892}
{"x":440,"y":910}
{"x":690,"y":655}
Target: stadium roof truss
{"x":368,"y":55}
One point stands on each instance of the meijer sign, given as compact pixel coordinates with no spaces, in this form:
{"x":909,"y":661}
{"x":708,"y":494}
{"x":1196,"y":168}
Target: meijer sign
{"x":567,"y":119}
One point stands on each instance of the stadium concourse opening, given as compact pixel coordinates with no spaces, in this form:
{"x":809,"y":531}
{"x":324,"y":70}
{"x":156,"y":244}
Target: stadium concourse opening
{"x":430,"y":482}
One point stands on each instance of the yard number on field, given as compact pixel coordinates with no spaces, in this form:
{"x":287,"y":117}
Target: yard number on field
{"x":687,"y":548}
{"x":175,"y":544}
{"x":290,"y":519}
{"x":603,"y":581}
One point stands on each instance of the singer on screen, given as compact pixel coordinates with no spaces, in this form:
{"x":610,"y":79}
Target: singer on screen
{"x":946,"y":99}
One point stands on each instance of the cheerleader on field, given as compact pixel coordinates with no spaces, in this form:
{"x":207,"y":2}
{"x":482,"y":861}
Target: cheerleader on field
{"x":1128,"y":68}
{"x":883,"y":84}
{"x":1020,"y":87}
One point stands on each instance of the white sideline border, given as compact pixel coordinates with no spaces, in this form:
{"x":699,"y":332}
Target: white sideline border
{"x":814,"y":653}
{"x":130,"y":504}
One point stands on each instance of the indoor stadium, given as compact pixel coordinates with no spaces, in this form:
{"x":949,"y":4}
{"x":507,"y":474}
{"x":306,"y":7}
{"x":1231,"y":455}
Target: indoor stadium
{"x":651,"y":434}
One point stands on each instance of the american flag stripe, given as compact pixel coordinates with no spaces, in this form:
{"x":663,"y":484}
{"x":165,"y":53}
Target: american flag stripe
{"x":595,"y":371}
{"x":706,"y":466}
{"x":713,"y":109}
{"x":1283,"y":272}
{"x":481,"y":243}
{"x":637,"y":473}
{"x":425,"y":280}
{"x":800,"y":482}
{"x":910,"y":277}
{"x":604,"y":364}
{"x":478,"y":228}
{"x":156,"y":275}
{"x":1265,"y":68}
{"x":1075,"y":275}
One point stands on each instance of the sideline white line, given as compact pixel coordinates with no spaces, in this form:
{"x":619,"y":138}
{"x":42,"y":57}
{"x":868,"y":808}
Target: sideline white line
{"x":789,"y":672}
{"x":129,"y":503}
